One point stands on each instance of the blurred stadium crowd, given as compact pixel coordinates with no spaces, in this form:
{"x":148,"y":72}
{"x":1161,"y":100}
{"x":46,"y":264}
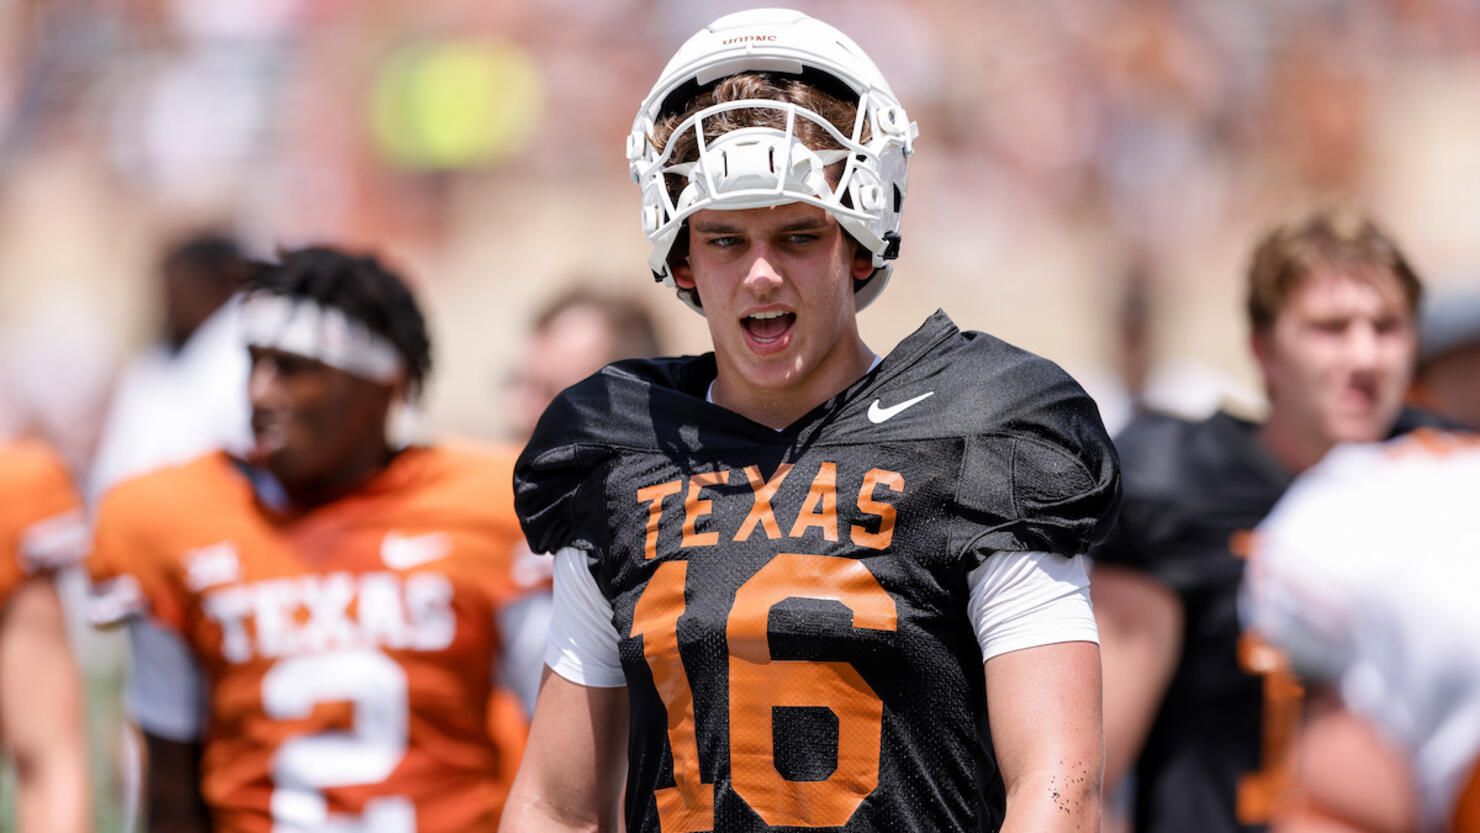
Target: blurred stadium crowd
{"x":1082,"y":153}
{"x":1095,"y":176}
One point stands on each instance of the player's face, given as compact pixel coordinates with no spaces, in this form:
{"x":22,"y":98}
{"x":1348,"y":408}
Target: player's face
{"x":1339,"y":356}
{"x":313,"y":423}
{"x":575,"y":344}
{"x":777,"y":288}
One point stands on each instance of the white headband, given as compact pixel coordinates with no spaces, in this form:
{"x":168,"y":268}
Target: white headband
{"x":324,"y":334}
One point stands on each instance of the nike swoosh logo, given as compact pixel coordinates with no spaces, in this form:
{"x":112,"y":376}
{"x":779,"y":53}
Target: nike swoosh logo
{"x":402,"y":552}
{"x":878,"y":415}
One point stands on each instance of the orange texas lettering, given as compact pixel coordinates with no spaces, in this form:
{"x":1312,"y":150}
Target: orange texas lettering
{"x":814,"y":517}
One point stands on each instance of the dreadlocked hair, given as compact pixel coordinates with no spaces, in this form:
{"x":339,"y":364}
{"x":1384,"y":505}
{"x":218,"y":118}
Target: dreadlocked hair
{"x":364,"y":289}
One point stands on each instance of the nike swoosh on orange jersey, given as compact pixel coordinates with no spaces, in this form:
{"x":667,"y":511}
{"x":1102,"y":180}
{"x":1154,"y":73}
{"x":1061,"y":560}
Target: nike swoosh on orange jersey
{"x":402,"y":552}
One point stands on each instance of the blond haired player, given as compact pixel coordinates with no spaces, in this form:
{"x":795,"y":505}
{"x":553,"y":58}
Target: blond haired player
{"x":1192,"y":706}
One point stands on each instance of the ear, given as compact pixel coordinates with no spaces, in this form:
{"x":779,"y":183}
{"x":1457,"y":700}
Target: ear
{"x":863,"y":264}
{"x":1263,"y":350}
{"x":382,"y":396}
{"x":683,"y":273}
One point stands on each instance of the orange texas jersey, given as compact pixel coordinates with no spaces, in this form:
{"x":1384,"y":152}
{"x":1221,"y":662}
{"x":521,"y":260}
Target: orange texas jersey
{"x":348,"y":653}
{"x":40,"y":521}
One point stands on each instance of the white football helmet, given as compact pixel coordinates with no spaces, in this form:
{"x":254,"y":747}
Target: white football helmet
{"x":762,"y":166}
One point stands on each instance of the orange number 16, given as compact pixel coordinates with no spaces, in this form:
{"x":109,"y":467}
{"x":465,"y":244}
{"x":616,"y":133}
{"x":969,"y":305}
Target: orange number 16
{"x":758,"y":684}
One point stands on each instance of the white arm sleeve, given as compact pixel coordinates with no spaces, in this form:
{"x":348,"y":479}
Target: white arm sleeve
{"x":583,"y":641}
{"x":166,"y":692}
{"x":1026,"y":599}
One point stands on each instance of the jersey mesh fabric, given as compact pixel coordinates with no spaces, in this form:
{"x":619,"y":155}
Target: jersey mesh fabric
{"x":792,"y":604}
{"x":1016,"y":601}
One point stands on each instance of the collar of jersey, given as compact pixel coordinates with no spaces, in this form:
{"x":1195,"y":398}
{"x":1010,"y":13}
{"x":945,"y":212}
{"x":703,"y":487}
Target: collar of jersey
{"x":270,"y":494}
{"x":709,"y":391}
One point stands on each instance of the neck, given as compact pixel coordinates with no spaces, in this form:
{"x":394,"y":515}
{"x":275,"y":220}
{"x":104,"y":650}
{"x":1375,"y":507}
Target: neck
{"x":782,"y":406}
{"x":1294,"y":448}
{"x":351,"y":474}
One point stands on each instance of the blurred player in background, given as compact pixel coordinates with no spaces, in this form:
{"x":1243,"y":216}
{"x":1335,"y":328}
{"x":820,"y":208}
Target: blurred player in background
{"x":185,"y":394}
{"x":574,"y":335}
{"x":41,"y":711}
{"x":317,"y":627}
{"x":1197,"y":713}
{"x":794,"y":580}
{"x":1365,"y":574}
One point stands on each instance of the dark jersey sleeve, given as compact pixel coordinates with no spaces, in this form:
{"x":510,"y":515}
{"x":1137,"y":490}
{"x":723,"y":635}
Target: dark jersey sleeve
{"x":1042,"y":474}
{"x":1153,"y":448}
{"x":558,"y":480}
{"x":554,"y":468}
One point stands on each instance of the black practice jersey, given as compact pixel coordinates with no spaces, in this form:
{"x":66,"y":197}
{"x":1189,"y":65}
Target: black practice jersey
{"x":1192,"y":491}
{"x":792,"y":604}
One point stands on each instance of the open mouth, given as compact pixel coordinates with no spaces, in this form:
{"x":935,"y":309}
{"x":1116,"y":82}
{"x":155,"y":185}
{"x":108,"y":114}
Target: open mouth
{"x":1359,"y":396}
{"x":768,"y":328}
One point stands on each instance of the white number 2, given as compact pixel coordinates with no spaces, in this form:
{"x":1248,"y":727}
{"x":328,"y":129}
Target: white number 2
{"x":366,"y":754}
